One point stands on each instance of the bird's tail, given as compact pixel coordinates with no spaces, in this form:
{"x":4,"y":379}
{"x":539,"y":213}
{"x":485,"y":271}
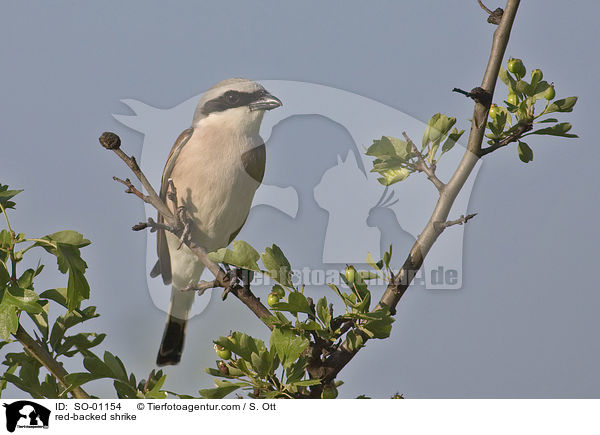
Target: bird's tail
{"x":171,"y":345}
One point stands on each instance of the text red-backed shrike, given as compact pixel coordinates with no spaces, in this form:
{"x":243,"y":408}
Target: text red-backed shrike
{"x":216,"y":166}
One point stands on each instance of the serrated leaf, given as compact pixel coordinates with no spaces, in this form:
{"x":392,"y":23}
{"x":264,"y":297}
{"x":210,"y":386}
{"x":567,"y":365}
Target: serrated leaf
{"x":23,"y":299}
{"x":115,"y":364}
{"x":389,"y":146}
{"x":564,"y":105}
{"x":288,"y":346}
{"x":241,"y":255}
{"x":278,"y":266}
{"x":65,"y":246}
{"x":6,"y":195}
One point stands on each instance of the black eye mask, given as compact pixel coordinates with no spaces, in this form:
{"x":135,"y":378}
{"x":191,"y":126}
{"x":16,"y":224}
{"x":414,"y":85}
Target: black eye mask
{"x":230,"y":100}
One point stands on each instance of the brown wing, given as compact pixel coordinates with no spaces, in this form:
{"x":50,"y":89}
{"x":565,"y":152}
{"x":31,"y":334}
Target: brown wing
{"x":163,"y":265}
{"x":254,"y":162}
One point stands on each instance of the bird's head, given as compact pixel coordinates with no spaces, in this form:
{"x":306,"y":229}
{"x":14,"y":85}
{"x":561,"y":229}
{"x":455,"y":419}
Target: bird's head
{"x":236,"y":102}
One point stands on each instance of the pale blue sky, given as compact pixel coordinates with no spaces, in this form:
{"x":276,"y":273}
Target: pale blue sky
{"x":525,"y":322}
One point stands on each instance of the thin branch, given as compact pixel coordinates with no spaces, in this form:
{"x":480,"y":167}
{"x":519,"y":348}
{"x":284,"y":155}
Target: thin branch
{"x":521,"y":129}
{"x":132,"y":189}
{"x":400,"y":282}
{"x":422,"y":165}
{"x":484,"y":7}
{"x":460,"y":221}
{"x":112,"y":142}
{"x":53,"y":366}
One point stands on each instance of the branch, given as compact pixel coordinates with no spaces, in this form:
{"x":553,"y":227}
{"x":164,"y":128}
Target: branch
{"x":54,"y":367}
{"x":400,"y":282}
{"x":460,"y":221}
{"x":422,"y":165}
{"x":179,"y":223}
{"x":112,"y":142}
{"x":521,"y":129}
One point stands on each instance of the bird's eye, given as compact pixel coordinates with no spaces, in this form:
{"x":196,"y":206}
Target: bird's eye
{"x":232,"y":97}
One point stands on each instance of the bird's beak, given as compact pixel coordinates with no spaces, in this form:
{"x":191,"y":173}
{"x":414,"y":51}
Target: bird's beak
{"x":266,"y":102}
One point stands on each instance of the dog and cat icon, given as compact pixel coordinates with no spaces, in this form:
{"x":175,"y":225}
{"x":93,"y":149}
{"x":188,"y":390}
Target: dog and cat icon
{"x":26,"y":414}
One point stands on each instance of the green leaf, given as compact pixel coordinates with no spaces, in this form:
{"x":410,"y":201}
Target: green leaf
{"x":23,"y":299}
{"x":82,"y":342}
{"x":221,"y":391}
{"x":26,"y":279}
{"x":525,"y":153}
{"x":508,"y":80}
{"x":323,"y":311}
{"x":58,"y":295}
{"x":243,"y":255}
{"x":296,"y":303}
{"x":116,"y":366}
{"x":65,"y":246}
{"x":564,"y":105}
{"x":547,"y":120}
{"x":278,"y":267}
{"x":556,"y":130}
{"x":307,"y":383}
{"x":155,"y":392}
{"x":367,"y":274}
{"x":288,"y":346}
{"x":6,"y":195}
{"x":4,"y":275}
{"x":79,"y":378}
{"x":371,"y":262}
{"x":241,"y":344}
{"x":126,"y":391}
{"x":392,"y":176}
{"x":378,"y":328}
{"x":389,"y":146}
{"x":9,"y":321}
{"x":453,"y":137}
{"x":68,"y":237}
{"x":354,"y":341}
{"x":296,"y":371}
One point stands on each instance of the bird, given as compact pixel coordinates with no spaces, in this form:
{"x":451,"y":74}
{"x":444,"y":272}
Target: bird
{"x":216,"y":166}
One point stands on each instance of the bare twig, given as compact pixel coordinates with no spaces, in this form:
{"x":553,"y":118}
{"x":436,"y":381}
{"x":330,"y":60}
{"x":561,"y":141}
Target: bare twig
{"x":400,"y":282}
{"x":484,"y":7}
{"x":132,"y":189}
{"x":54,"y":367}
{"x":460,"y":221}
{"x":112,"y":142}
{"x":422,"y":165}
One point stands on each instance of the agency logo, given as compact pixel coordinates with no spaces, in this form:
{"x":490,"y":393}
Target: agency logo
{"x":318,"y":200}
{"x":24,"y":414}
